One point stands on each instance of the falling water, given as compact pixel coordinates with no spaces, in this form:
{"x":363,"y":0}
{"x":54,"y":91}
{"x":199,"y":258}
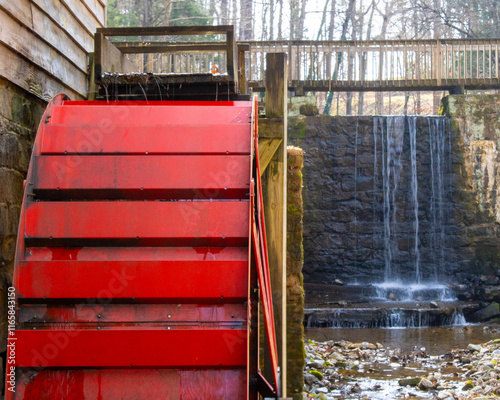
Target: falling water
{"x":437,"y":151}
{"x":392,"y":148}
{"x":412,"y":126}
{"x":398,"y":142}
{"x":356,"y":193}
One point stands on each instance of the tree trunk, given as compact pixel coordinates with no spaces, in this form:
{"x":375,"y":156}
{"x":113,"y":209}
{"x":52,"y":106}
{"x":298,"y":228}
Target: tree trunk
{"x":350,"y":61}
{"x":436,"y":98}
{"x":361,"y":101}
{"x":264,"y":22}
{"x":234,"y":18}
{"x":294,"y":18}
{"x":348,"y":103}
{"x":246,"y":17}
{"x":280,"y":20}
{"x":323,"y":20}
{"x":379,"y":97}
{"x":211,"y":9}
{"x":302,"y":17}
{"x":223,"y":12}
{"x":329,"y":97}
{"x":271,"y":20}
{"x":331,"y":27}
{"x":494,"y":11}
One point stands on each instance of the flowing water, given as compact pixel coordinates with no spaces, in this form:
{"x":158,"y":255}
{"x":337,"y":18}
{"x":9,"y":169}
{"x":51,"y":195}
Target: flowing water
{"x":411,"y":307}
{"x":436,"y":340}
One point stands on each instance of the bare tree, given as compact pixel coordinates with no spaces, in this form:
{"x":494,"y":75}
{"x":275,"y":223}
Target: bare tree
{"x":246,"y":18}
{"x":343,"y":36}
{"x":224,"y":12}
{"x":280,"y":21}
{"x":371,"y":10}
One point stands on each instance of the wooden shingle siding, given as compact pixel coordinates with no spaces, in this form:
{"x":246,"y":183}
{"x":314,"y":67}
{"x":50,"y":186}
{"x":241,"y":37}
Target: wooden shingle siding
{"x":44,"y":44}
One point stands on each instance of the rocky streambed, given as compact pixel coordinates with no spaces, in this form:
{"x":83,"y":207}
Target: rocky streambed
{"x":365,"y":370}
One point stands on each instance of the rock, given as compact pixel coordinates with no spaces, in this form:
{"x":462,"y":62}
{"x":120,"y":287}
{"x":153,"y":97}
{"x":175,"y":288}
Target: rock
{"x":310,"y":379}
{"x":425,"y":384}
{"x":465,"y":359}
{"x":316,"y":364}
{"x":409,"y":382}
{"x":487,"y":364}
{"x":445,"y":395}
{"x":341,"y":364}
{"x":495,"y":353}
{"x":487,"y":313}
{"x":308,"y":109}
{"x":334,"y":357}
{"x":356,"y":388}
{"x":317,"y":374}
{"x":321,"y":396}
{"x":474,"y":347}
{"x":434,"y":304}
{"x":367,"y":345}
{"x":468,"y":386}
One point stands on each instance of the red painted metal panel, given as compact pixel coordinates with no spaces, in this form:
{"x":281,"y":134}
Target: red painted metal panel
{"x":108,"y":138}
{"x":132,"y":348}
{"x":144,"y":280}
{"x":141,"y":222}
{"x":144,"y":114}
{"x":168,"y":103}
{"x":218,"y":315}
{"x":137,"y":253}
{"x":201,"y":177}
{"x":131,"y":384}
{"x":166,"y":310}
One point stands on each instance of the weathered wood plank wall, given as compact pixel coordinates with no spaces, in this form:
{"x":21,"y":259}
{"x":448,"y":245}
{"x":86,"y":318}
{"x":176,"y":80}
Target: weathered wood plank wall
{"x":44,"y":44}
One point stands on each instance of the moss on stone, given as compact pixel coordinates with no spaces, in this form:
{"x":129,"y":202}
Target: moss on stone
{"x":294,"y":282}
{"x":317,"y":374}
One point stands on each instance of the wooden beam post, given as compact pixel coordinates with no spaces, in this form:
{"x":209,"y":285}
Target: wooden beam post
{"x":242,"y":80}
{"x":231,"y":54}
{"x":275,"y":189}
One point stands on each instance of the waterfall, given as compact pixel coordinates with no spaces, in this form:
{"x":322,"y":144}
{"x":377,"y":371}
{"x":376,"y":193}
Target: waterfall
{"x":392,"y":148}
{"x":382,"y":318}
{"x":407,"y":166}
{"x":437,"y":152}
{"x":414,"y":191}
{"x":356,"y":194}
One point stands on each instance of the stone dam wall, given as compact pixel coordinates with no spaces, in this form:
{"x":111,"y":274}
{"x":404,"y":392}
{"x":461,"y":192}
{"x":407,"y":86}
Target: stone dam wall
{"x":408,"y":198}
{"x":20,"y":113}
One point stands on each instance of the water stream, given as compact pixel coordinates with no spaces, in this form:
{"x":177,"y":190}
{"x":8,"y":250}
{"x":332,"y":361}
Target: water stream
{"x":412,"y":209}
{"x":408,"y":304}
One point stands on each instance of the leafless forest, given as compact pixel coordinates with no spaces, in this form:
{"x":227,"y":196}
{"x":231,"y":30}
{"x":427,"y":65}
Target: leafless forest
{"x":328,"y":20}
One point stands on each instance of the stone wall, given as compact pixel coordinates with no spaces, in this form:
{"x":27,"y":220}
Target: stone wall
{"x":294,"y":283}
{"x":359,"y":203}
{"x":475,"y":122}
{"x":360,"y":208}
{"x":20,"y":113}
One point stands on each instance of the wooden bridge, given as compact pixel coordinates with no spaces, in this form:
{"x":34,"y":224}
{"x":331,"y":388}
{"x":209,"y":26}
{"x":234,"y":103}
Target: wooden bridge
{"x":377,"y":65}
{"x":388,"y":65}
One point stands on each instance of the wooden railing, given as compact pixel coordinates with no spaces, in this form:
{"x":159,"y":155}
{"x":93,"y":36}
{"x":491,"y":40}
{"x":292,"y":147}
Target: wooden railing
{"x":382,"y":65}
{"x":378,"y":65}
